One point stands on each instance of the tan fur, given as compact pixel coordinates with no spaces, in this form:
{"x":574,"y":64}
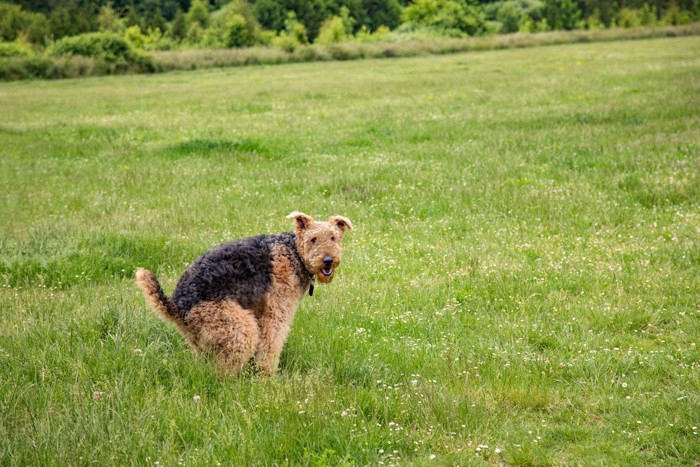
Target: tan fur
{"x":281,"y":305}
{"x":148,"y":282}
{"x":225,"y":330}
{"x":317,"y":240}
{"x":236,"y":335}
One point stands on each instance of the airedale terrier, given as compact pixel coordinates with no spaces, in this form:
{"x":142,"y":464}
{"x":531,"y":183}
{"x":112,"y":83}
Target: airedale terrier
{"x":237,"y":301}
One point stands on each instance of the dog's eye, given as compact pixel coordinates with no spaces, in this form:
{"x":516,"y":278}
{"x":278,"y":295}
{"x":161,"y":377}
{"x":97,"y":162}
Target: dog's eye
{"x":333,"y":238}
{"x":313,"y":240}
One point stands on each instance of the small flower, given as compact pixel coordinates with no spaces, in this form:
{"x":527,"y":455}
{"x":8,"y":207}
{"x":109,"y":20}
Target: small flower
{"x":138,"y":352}
{"x":497,"y":450}
{"x":432,"y":456}
{"x":96,"y":395}
{"x":197,"y":398}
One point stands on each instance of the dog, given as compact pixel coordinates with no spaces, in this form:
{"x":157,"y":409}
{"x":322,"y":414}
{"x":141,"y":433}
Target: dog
{"x":237,"y":301}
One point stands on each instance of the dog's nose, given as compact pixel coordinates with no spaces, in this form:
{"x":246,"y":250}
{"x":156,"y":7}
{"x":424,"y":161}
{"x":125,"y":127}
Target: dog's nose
{"x":328,"y":261}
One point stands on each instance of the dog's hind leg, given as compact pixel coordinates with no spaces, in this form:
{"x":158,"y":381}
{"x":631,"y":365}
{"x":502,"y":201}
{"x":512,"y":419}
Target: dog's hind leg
{"x":227,"y":331}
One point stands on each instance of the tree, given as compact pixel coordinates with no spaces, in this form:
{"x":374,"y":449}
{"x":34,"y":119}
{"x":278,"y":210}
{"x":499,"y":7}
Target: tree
{"x":382,"y":13}
{"x":73,"y":17}
{"x":509,"y":17}
{"x":270,"y":13}
{"x":198,"y":15}
{"x":15,"y":22}
{"x":132,"y":17}
{"x":448,"y":16}
{"x":108,"y":19}
{"x":562,"y":14}
{"x":178,"y":27}
{"x":332,"y":31}
{"x":234,"y":25}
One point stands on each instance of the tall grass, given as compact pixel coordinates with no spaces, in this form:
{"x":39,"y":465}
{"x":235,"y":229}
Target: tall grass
{"x":521,"y":287}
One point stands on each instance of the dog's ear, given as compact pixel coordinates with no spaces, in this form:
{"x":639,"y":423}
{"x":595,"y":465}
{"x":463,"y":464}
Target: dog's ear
{"x":303,"y":221}
{"x":341,"y":222}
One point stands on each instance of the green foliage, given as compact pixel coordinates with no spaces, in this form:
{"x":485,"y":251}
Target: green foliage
{"x":14,"y":49}
{"x":675,"y":16}
{"x":562,"y":14}
{"x":509,"y":18}
{"x":110,"y":48}
{"x":135,"y":37}
{"x":348,"y":20}
{"x":15,"y":23}
{"x":293,"y":35}
{"x":270,"y":13}
{"x":109,"y":20}
{"x":628,"y":18}
{"x":451,"y":17}
{"x":198,"y":15}
{"x":73,"y":17}
{"x":648,"y":15}
{"x":516,"y":15}
{"x":231,"y":32}
{"x":379,"y":13}
{"x":178,"y":27}
{"x":332,"y":31}
{"x":594,"y":22}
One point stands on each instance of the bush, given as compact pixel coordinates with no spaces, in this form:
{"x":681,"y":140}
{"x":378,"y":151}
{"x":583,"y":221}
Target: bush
{"x":25,"y":67}
{"x":232,"y":26}
{"x":107,"y":47}
{"x":675,"y":16}
{"x":448,"y":16}
{"x":293,"y":35}
{"x":332,"y":31}
{"x":628,"y":18}
{"x":13,"y":49}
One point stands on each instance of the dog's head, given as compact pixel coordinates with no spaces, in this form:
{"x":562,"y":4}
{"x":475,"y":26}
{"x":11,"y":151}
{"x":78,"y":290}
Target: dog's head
{"x":318,"y":243}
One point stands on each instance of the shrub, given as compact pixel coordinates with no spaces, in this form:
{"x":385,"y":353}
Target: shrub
{"x":332,"y":31}
{"x":109,"y":20}
{"x":109,"y":48}
{"x":294,"y":34}
{"x":135,"y":37}
{"x":232,"y":26}
{"x":628,"y":18}
{"x":104,"y":46}
{"x":509,"y":17}
{"x":647,"y":15}
{"x":562,"y":14}
{"x":198,"y":14}
{"x":447,"y":16}
{"x":13,"y":49}
{"x":675,"y":16}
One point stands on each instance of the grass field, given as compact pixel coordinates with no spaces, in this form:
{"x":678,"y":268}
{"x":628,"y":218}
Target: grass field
{"x":522,"y":286}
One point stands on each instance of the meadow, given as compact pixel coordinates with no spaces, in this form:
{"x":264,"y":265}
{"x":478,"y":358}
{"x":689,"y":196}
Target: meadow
{"x":522,"y":286}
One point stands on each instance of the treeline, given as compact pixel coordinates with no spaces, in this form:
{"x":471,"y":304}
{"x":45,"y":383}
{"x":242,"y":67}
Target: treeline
{"x":168,"y":24}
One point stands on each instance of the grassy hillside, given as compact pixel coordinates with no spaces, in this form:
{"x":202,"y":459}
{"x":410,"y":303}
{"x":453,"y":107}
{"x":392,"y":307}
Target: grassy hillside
{"x":522,"y":286}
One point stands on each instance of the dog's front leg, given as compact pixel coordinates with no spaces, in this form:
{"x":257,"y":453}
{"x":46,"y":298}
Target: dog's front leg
{"x":274,"y":328}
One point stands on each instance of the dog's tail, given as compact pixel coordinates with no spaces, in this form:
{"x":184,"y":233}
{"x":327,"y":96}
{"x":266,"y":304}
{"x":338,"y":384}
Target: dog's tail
{"x":162,"y":305}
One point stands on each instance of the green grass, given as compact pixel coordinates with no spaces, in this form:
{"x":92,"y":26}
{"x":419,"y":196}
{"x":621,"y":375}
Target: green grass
{"x":524,"y":273}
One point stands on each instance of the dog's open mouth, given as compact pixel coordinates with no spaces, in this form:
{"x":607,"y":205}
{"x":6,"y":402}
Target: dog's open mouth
{"x":328,"y":272}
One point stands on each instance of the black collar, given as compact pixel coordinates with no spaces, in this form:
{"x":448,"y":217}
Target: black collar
{"x":311,"y":286}
{"x":311,"y":276}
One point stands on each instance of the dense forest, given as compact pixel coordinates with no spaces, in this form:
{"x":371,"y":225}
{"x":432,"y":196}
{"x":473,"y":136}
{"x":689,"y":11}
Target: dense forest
{"x":175,"y":24}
